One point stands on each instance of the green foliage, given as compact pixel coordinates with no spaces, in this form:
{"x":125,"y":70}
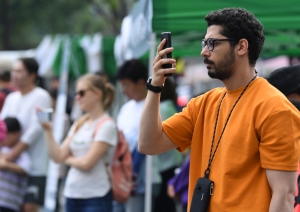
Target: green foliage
{"x":23,"y":23}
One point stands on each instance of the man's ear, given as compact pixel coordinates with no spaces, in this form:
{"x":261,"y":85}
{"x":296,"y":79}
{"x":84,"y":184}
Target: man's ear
{"x":141,"y":82}
{"x":34,"y":77}
{"x":242,"y":47}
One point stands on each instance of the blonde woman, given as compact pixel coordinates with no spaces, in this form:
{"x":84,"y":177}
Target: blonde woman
{"x":87,"y":148}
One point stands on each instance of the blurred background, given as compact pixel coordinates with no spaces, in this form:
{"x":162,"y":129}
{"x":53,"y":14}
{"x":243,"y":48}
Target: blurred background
{"x":105,"y":33}
{"x":71,"y":38}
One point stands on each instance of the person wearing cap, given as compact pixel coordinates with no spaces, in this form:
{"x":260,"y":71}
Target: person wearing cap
{"x":5,"y":85}
{"x":287,"y":81}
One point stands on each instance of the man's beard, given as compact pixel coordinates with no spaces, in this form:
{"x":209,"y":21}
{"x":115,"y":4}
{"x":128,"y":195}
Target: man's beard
{"x":223,"y":69}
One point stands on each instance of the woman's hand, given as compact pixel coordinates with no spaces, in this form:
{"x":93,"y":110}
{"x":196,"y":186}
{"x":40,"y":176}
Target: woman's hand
{"x":45,"y":125}
{"x":68,"y":160}
{"x":158,"y":77}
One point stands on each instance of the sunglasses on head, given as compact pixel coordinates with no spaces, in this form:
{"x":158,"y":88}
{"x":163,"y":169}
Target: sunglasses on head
{"x":80,"y":93}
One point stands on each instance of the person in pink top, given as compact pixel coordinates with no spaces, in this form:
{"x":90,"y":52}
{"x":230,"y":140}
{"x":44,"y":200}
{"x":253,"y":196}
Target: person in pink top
{"x":5,"y":83}
{"x":3,"y":131}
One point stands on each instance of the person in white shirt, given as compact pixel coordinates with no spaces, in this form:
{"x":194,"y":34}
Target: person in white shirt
{"x":88,"y":148}
{"x":22,"y":104}
{"x":133,"y":76}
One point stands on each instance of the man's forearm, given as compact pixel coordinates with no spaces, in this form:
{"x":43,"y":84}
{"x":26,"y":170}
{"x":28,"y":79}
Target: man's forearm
{"x":53,"y":148}
{"x":150,"y":123}
{"x":282,"y":202}
{"x":283,"y":185}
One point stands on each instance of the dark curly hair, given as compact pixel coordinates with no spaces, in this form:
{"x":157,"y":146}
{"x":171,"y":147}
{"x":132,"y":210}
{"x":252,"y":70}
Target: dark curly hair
{"x":238,"y":23}
{"x":133,"y":70}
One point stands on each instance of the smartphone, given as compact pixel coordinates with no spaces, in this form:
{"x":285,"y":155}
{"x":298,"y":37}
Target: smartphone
{"x":45,"y":114}
{"x":167,"y":36}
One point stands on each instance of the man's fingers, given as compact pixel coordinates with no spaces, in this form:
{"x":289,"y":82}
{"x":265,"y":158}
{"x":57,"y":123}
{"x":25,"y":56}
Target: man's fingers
{"x":161,"y":45}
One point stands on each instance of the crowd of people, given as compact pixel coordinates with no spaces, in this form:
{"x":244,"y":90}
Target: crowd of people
{"x":243,"y":139}
{"x":89,"y":144}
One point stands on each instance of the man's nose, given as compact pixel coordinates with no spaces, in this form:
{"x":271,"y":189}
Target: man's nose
{"x":205,"y":52}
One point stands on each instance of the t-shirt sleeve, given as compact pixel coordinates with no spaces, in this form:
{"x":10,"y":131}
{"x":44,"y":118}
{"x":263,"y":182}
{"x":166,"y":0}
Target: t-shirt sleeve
{"x":107,"y":133}
{"x":179,"y":128}
{"x":280,"y":138}
{"x":35,"y":130}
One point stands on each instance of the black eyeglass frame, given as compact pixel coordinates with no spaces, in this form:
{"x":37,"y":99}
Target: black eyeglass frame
{"x":205,"y":42}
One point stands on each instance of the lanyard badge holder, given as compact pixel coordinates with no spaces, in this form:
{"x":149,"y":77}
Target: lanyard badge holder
{"x":202,"y":193}
{"x":204,"y":186}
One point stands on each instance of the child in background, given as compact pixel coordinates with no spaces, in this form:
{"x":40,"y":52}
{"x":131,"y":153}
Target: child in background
{"x":13,"y":179}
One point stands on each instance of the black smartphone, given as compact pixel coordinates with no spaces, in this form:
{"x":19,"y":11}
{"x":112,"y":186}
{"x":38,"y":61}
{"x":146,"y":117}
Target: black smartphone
{"x":167,"y":36}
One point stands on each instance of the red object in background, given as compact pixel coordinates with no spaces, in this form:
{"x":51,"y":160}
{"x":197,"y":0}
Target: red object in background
{"x":182,"y":101}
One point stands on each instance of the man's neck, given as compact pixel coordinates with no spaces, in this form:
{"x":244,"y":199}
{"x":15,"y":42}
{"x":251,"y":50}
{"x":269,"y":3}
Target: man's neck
{"x":96,"y":113}
{"x":239,"y":79}
{"x":26,"y":89}
{"x":141,"y":95}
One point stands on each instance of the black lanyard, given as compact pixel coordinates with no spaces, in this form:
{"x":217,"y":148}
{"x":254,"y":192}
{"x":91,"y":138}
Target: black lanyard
{"x":211,"y":156}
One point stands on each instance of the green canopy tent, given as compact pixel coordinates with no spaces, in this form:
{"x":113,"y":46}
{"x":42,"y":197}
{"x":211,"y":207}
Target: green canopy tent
{"x":50,"y":55}
{"x":185,"y":19}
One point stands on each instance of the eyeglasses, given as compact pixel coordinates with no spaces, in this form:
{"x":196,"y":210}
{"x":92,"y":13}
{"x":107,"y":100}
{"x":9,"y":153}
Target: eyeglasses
{"x":80,"y":93}
{"x":210,"y":42}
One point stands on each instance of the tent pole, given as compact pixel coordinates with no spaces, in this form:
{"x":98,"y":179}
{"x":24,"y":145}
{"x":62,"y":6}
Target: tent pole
{"x":149,"y":159}
{"x":58,"y":127}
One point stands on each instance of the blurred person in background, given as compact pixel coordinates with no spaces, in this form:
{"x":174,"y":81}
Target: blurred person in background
{"x":5,"y":83}
{"x":132,"y":76}
{"x":296,"y":103}
{"x":87,"y":149}
{"x":54,"y":86}
{"x":13,"y":175}
{"x":244,"y":137}
{"x":3,"y":131}
{"x":169,"y":160}
{"x":178,"y":185}
{"x":287,"y":81}
{"x":22,"y":105}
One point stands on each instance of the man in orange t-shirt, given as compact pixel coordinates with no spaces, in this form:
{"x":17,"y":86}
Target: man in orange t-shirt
{"x":244,"y":136}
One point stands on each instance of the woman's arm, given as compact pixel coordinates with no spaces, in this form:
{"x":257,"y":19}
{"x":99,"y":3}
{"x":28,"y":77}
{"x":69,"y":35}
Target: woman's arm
{"x":87,"y":162}
{"x":57,"y":153}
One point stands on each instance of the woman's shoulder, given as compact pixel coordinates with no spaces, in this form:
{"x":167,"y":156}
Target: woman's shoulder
{"x":106,"y":122}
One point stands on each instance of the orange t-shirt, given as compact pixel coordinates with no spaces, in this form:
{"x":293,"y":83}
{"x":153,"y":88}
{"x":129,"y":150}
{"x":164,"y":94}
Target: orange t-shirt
{"x":261,"y":134}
